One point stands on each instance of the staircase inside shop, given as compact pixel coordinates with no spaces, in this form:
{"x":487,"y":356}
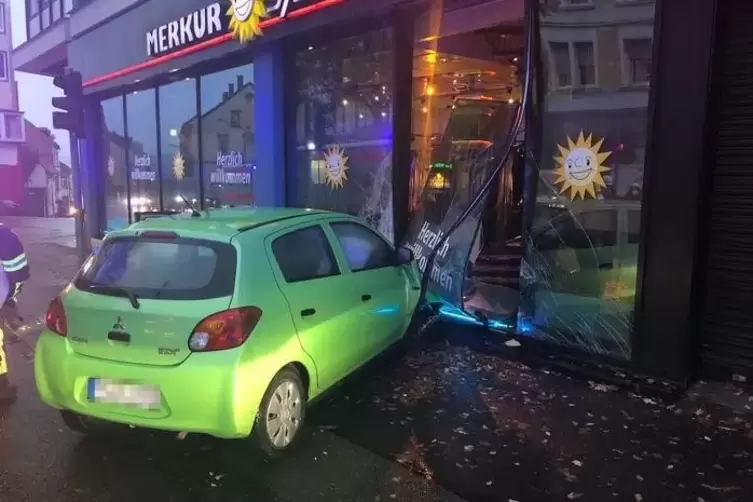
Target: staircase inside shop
{"x":499,"y":265}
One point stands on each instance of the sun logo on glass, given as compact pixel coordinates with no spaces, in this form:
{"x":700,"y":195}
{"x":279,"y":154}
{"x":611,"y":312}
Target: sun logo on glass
{"x":580,"y":166}
{"x":245,"y":17}
{"x":335,"y":173}
{"x":179,"y":166}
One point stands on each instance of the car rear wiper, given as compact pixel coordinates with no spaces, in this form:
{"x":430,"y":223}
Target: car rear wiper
{"x":117,"y":291}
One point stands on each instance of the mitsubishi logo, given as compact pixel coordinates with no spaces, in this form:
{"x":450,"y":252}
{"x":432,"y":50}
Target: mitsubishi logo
{"x":118,"y":326}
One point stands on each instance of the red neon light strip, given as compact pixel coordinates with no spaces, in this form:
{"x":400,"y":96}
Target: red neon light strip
{"x":226,"y":37}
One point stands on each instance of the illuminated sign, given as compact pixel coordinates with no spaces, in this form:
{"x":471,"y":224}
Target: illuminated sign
{"x":143,"y":168}
{"x":242,"y":18}
{"x":230,"y":159}
{"x":441,"y":165}
{"x":238,"y":176}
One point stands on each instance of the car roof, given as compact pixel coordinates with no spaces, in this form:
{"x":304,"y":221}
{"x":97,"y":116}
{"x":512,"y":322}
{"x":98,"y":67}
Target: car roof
{"x":227,"y":221}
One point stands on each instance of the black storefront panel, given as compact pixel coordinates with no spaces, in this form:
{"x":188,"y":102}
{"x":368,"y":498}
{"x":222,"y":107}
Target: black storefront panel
{"x":727,"y":315}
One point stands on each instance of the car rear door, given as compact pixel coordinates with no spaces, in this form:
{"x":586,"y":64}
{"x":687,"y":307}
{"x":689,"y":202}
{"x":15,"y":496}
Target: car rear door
{"x":375,"y":278}
{"x":327,"y":318}
{"x":138,"y":299}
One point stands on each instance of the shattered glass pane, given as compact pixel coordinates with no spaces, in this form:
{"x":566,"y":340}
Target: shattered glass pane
{"x":472,"y":145}
{"x":579,"y":269}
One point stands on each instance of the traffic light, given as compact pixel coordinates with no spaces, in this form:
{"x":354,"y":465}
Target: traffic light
{"x":72,"y":102}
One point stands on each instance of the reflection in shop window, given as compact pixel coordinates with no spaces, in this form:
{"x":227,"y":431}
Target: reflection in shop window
{"x":318,"y":172}
{"x":576,"y":3}
{"x":141,"y":118}
{"x":227,"y":137}
{"x":638,"y":56}
{"x":113,"y":165}
{"x":580,"y":248}
{"x":561,"y":63}
{"x":223,"y":142}
{"x":179,"y":145}
{"x":584,"y":63}
{"x":343,"y":128}
{"x":235,"y":118}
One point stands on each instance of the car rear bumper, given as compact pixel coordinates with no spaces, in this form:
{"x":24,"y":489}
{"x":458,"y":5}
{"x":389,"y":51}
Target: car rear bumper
{"x":201,"y":395}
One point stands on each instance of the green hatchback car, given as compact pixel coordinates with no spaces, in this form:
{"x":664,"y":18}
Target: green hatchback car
{"x":226,"y":323}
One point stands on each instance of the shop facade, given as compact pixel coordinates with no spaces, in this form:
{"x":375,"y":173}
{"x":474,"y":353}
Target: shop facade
{"x":399,"y":112}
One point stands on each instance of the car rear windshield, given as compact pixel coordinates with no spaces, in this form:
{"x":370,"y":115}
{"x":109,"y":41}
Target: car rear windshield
{"x":166,"y":269}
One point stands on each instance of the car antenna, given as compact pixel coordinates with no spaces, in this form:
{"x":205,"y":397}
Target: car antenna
{"x":194,"y":212}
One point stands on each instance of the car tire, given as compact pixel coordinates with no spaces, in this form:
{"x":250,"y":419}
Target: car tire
{"x":281,"y":415}
{"x":81,"y":424}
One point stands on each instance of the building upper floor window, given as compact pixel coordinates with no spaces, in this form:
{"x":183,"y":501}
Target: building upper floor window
{"x":4,"y":66}
{"x":2,"y":17}
{"x":638,"y":60}
{"x":42,"y":14}
{"x":12,"y":127}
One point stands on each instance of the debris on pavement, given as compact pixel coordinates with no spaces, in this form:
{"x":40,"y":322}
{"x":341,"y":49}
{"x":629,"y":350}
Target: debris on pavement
{"x":464,"y":416}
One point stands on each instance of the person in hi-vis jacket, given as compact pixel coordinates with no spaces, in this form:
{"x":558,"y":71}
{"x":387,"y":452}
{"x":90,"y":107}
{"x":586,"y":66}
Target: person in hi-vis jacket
{"x":13,"y":260}
{"x":15,"y":271}
{"x":7,"y":390}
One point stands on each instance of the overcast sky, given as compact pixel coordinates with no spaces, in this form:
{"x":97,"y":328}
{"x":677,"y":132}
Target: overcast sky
{"x":35,"y":92}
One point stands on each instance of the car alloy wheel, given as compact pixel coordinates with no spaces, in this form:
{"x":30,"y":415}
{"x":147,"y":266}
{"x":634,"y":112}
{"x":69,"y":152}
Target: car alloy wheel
{"x":284,"y":414}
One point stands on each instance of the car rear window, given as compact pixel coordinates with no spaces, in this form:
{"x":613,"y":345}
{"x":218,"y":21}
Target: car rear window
{"x":166,"y":269}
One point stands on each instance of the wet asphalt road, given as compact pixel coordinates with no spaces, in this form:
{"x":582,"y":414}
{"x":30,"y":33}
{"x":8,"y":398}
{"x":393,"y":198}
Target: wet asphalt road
{"x":40,"y":460}
{"x":476,"y":425}
{"x":440,"y":422}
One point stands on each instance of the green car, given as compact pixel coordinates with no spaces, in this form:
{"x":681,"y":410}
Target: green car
{"x":226,"y":322}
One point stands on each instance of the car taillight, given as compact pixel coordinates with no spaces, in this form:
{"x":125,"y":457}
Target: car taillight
{"x":55,"y":317}
{"x":224,"y":330}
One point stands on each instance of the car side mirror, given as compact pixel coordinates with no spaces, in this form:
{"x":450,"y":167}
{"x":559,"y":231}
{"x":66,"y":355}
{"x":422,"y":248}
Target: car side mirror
{"x":405,"y":256}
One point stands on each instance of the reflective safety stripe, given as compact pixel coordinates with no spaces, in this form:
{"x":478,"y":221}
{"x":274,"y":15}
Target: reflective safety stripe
{"x":3,"y":364}
{"x":15,"y":264}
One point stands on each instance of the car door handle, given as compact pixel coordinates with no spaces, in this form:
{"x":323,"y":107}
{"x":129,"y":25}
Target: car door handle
{"x":606,"y":266}
{"x":365,"y":298}
{"x":308,"y":312}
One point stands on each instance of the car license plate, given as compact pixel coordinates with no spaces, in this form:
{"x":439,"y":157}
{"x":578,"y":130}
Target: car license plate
{"x":101,"y":390}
